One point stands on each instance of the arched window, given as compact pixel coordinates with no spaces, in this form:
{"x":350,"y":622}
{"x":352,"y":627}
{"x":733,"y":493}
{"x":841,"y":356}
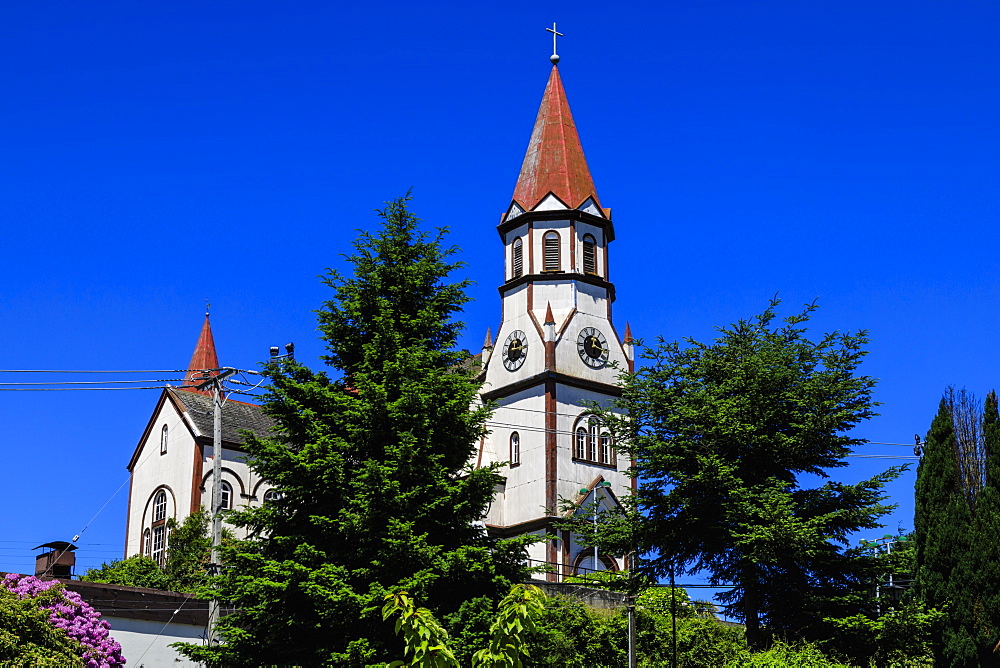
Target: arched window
{"x":592,"y":443}
{"x":163,"y":440}
{"x":227,"y":495}
{"x":515,"y":449}
{"x":146,"y":545}
{"x":517,"y":258}
{"x":589,"y":255}
{"x":271,"y":495}
{"x":160,"y":506}
{"x":550,"y":251}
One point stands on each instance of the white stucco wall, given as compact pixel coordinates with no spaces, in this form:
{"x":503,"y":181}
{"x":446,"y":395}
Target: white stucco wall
{"x":147,"y":643}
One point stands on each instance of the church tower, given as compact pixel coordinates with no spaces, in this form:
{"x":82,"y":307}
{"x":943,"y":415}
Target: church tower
{"x":557,"y":350}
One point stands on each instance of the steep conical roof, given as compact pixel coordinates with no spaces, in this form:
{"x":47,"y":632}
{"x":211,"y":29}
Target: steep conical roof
{"x":204,"y":356}
{"x":554,"y":161}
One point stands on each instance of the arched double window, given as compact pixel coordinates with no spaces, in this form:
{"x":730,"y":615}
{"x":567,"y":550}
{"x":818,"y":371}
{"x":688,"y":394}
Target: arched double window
{"x":271,"y":495}
{"x":589,"y":254}
{"x":592,"y":443}
{"x":517,"y":258}
{"x":163,"y":440}
{"x":515,"y":449}
{"x":550,"y":252}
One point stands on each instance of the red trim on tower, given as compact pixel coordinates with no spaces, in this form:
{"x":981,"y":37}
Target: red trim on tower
{"x":551,"y":446}
{"x":197,"y":470}
{"x":554,"y":161}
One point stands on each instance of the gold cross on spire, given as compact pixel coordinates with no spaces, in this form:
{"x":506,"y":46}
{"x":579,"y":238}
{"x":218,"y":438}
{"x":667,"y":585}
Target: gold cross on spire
{"x":554,"y":57}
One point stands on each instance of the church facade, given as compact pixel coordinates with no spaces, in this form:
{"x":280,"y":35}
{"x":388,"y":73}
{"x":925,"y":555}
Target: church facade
{"x":556,"y":354}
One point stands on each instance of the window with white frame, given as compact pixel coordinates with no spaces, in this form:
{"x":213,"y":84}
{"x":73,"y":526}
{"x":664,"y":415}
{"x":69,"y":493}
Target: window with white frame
{"x":227,"y":495}
{"x":271,"y":495}
{"x":159,"y":544}
{"x":581,"y":444}
{"x":146,"y":545}
{"x":163,"y":440}
{"x":515,"y":449}
{"x":517,"y":258}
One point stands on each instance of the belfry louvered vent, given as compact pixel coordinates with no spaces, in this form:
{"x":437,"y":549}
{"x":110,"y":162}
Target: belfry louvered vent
{"x":517,"y":258}
{"x":550,"y":248}
{"x":589,"y":255}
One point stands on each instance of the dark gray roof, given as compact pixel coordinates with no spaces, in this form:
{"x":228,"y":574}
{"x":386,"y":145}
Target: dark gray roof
{"x":236,"y":415}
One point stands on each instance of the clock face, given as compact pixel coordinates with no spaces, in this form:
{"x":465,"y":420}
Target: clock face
{"x":515,"y":349}
{"x":593,"y":347}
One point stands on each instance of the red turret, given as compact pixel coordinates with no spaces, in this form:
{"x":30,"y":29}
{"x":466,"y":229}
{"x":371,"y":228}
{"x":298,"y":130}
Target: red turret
{"x":554,"y":162}
{"x":204,"y":357}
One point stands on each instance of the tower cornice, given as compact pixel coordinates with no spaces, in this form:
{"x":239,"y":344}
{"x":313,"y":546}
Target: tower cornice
{"x":559,"y":276}
{"x":609,"y":389}
{"x":557,"y":214}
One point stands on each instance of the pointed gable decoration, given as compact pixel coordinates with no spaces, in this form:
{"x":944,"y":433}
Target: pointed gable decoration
{"x":554,"y":162}
{"x":204,"y":357}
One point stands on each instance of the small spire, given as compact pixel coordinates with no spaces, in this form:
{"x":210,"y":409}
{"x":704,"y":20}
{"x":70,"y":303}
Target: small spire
{"x":549,"y":319}
{"x":488,"y":343}
{"x":204,"y":356}
{"x":628,"y":333}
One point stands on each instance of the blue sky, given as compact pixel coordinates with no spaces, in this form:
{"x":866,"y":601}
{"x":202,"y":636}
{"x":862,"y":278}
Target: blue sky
{"x":157,"y":155}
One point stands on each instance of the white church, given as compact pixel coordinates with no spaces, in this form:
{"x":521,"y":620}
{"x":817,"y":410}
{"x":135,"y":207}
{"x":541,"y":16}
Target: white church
{"x":556,"y":353}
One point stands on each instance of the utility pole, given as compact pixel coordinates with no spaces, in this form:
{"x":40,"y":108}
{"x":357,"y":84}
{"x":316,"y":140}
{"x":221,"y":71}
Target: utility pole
{"x":215,"y":382}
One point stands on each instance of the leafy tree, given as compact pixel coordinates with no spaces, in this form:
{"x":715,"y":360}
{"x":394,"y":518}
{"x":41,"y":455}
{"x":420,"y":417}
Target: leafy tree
{"x":957,"y":506}
{"x":372,"y":463}
{"x":727,"y":435}
{"x":186,"y":568}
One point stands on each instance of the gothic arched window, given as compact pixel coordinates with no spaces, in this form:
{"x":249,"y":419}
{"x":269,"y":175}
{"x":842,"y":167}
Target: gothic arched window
{"x":605,"y":448}
{"x":592,"y":440}
{"x":515,"y":449}
{"x":517,"y":258}
{"x":589,"y":255}
{"x":146,"y":545}
{"x":160,"y":506}
{"x":163,"y":440}
{"x":581,"y":443}
{"x":227,"y":495}
{"x":550,"y":251}
{"x":592,"y":444}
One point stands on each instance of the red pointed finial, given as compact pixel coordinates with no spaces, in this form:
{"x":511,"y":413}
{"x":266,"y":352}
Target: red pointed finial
{"x":549,"y":320}
{"x":204,"y":356}
{"x":554,"y":161}
{"x":628,"y":333}
{"x":488,"y":343}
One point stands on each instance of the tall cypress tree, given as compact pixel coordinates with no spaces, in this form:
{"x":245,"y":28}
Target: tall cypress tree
{"x":942,"y":523}
{"x":372,"y":466}
{"x":985,"y":612}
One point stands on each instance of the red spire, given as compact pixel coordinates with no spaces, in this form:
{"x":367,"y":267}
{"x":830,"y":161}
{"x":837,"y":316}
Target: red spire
{"x":628,"y":333}
{"x":204,"y":356}
{"x":554,"y":161}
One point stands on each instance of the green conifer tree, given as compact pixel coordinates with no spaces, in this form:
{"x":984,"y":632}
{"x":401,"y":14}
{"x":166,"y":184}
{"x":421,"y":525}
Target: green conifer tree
{"x":942,"y":523}
{"x":372,"y":464}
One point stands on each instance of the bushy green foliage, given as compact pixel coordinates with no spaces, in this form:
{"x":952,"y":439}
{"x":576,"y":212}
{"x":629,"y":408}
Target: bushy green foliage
{"x":28,"y":637}
{"x":898,"y":637}
{"x":724,"y":434}
{"x":372,"y":465}
{"x":425,"y":640}
{"x":784,"y":655}
{"x":188,"y":554}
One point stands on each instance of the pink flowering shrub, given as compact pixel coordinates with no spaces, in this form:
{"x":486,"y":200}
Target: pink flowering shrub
{"x":72,"y":614}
